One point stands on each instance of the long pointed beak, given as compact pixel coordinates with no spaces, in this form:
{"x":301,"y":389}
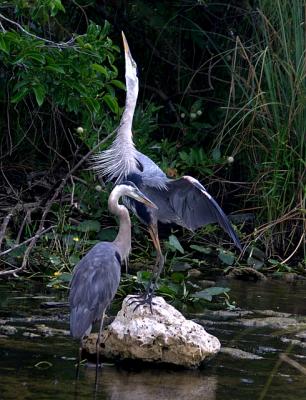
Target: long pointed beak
{"x":143,"y":199}
{"x":125,"y":44}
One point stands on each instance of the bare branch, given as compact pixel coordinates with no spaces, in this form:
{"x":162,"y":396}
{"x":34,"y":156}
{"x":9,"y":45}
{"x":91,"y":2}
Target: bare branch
{"x":26,"y":241}
{"x":40,"y":231}
{"x":50,"y":42}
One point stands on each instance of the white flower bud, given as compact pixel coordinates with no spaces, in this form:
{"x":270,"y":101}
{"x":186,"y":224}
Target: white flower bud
{"x":230,"y":159}
{"x":193,"y":115}
{"x":98,"y":188}
{"x":80,"y":130}
{"x":183,"y":115}
{"x":199,"y":112}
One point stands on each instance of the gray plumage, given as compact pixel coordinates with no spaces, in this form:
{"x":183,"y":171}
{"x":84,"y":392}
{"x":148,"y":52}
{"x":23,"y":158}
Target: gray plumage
{"x":183,"y":201}
{"x":96,"y":277}
{"x":94,"y":284}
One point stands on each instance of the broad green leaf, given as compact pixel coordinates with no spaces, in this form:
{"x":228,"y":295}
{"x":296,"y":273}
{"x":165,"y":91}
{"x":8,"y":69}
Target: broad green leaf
{"x":65,"y":277}
{"x":74,"y":259}
{"x":111,"y":102}
{"x":175,"y":244}
{"x":100,"y":69}
{"x":40,"y":93}
{"x":56,"y":6}
{"x":35,"y":56}
{"x":143,"y":276}
{"x":19,"y":95}
{"x":118,"y":84}
{"x":201,"y":249}
{"x":89,"y":226}
{"x":207,"y":294}
{"x":177,"y":277}
{"x":227,"y":257}
{"x":92,"y":104}
{"x":55,"y":68}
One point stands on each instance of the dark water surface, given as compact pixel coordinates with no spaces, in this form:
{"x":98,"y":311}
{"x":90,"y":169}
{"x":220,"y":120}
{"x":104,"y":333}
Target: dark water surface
{"x":43,"y":367}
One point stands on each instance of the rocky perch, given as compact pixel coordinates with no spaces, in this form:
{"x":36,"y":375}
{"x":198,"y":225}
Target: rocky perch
{"x":165,"y":336}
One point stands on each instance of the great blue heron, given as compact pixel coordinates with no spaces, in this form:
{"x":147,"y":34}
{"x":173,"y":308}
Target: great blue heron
{"x":96,"y":277}
{"x":183,"y":201}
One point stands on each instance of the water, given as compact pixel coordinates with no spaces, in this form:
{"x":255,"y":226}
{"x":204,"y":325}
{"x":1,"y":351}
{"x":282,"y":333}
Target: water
{"x":43,"y":367}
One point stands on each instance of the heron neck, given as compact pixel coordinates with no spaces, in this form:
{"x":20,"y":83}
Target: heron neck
{"x":123,"y":238}
{"x":125,"y":127}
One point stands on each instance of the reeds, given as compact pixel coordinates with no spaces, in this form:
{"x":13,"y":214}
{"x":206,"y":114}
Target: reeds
{"x":266,"y":127}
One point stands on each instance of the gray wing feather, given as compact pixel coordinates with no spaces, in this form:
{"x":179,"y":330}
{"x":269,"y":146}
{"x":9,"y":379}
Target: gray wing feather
{"x":187,"y":203}
{"x":195,"y":207}
{"x":152,"y":175}
{"x":93,"y":286}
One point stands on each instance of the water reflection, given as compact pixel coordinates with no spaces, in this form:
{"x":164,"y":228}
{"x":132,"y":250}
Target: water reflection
{"x":153,"y":384}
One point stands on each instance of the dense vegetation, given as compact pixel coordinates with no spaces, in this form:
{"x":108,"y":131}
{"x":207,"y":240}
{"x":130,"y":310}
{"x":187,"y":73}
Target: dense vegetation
{"x":222,"y":98}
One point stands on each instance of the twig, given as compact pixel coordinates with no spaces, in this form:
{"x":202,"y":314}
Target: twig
{"x":53,"y":44}
{"x":293,"y":363}
{"x":48,"y":206}
{"x":26,"y":241}
{"x":36,"y":237}
{"x":295,"y":250}
{"x":4,"y":225}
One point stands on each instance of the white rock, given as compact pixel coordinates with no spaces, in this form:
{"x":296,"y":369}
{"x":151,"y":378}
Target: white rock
{"x":164,"y":336}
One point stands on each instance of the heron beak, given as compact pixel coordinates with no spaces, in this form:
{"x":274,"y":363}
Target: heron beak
{"x":125,"y":44}
{"x":143,"y":199}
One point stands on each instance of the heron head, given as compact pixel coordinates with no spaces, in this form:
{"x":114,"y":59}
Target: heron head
{"x":130,"y":65}
{"x":131,"y":190}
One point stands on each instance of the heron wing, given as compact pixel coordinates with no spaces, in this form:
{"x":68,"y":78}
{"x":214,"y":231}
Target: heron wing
{"x":93,"y":286}
{"x":195,"y":207}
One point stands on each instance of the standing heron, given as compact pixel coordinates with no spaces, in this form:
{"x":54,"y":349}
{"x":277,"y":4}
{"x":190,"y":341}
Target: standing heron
{"x":182,"y":201}
{"x":96,"y":277}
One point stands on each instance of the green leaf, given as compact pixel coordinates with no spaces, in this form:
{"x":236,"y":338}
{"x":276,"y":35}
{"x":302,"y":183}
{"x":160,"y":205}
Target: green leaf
{"x":177,"y":277}
{"x":19,"y":95}
{"x":201,"y":249}
{"x":92,"y":104}
{"x":111,"y":102}
{"x":143,"y":277}
{"x":55,"y":68}
{"x":227,"y":257}
{"x":118,"y":84}
{"x":55,"y":260}
{"x":100,"y":69}
{"x":74,"y":259}
{"x":56,"y":6}
{"x":65,"y":277}
{"x":216,"y":154}
{"x":181,"y":267}
{"x":89,"y":226}
{"x":3,"y":45}
{"x":40,"y":93}
{"x":108,"y":234}
{"x":207,"y":294}
{"x":175,"y":244}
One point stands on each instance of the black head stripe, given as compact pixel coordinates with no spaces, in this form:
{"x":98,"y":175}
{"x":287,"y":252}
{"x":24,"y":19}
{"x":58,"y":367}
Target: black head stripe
{"x":128,"y":183}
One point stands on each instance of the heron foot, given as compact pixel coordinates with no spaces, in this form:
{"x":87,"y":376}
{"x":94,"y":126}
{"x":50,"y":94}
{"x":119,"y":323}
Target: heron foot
{"x":141,"y":300}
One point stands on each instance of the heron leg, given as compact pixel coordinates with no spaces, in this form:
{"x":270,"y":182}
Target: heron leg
{"x":77,"y":374}
{"x":98,"y":343}
{"x":147,"y":296}
{"x":159,"y":263}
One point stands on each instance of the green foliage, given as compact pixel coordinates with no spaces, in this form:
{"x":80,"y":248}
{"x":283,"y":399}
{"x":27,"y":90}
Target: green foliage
{"x":175,"y":288}
{"x":265,"y":121}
